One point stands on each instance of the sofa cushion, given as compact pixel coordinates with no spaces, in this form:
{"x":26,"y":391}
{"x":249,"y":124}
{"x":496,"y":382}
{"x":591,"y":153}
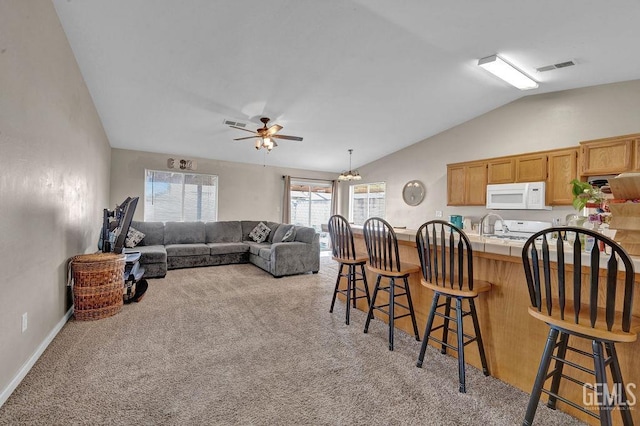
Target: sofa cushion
{"x":223,"y":232}
{"x":305,"y":234}
{"x":184,"y":233}
{"x":176,"y":250}
{"x":279,"y":233}
{"x":273,"y":226}
{"x":153,"y":232}
{"x":150,"y":254}
{"x":260,"y":233}
{"x":247,"y":227}
{"x":254,"y":248}
{"x":227,"y":248}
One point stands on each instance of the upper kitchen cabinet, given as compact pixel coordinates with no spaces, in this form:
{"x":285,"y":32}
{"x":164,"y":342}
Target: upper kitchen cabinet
{"x":563,"y":168}
{"x":467,"y":184}
{"x":501,"y":170}
{"x":609,"y":156}
{"x":531,"y":168}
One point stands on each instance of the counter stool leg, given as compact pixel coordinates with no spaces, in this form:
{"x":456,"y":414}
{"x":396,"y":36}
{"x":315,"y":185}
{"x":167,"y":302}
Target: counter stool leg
{"x":540,"y":377}
{"x":392,"y":302}
{"x":445,"y":325}
{"x":372,"y":305}
{"x":460,"y":332}
{"x":335,"y":291}
{"x":352,"y":275}
{"x":411,"y":311}
{"x":604,"y":406}
{"x":476,"y":326}
{"x":616,"y":374}
{"x":557,"y":370}
{"x":365,"y":284}
{"x":348,"y":294}
{"x":427,"y":330}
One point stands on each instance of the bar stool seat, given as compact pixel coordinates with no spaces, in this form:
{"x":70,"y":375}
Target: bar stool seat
{"x":343,"y":252}
{"x":444,"y":251}
{"x":384,"y":261}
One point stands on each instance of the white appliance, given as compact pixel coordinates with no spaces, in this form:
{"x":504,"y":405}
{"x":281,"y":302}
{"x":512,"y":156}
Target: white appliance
{"x":517,"y":196}
{"x":517,"y":229}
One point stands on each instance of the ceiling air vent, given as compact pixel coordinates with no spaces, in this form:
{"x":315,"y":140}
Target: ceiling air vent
{"x":234,"y":123}
{"x":556,"y":66}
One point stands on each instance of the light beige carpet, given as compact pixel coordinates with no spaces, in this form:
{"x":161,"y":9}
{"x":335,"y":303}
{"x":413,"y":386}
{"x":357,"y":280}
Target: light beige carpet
{"x":233,"y":345}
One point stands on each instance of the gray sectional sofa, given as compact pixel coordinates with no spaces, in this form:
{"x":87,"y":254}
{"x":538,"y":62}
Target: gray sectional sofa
{"x":173,"y":245}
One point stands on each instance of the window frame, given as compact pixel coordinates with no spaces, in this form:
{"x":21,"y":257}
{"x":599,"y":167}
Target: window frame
{"x":368,"y":206}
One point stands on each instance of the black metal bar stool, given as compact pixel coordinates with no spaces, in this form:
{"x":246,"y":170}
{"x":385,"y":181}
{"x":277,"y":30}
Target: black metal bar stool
{"x":384,"y":260}
{"x":444,"y":250}
{"x":343,"y":250}
{"x":591,"y":299}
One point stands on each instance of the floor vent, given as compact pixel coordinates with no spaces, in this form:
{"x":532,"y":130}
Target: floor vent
{"x":556,"y":66}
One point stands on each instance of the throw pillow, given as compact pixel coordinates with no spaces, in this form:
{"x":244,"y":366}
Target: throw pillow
{"x":290,"y":235}
{"x":133,"y":237}
{"x":259,"y":233}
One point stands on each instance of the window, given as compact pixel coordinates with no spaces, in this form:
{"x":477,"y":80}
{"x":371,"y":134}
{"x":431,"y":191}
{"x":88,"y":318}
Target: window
{"x":182,"y":197}
{"x":365,"y":201}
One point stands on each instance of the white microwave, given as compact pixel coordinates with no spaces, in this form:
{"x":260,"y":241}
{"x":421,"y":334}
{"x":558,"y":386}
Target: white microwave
{"x":517,"y":196}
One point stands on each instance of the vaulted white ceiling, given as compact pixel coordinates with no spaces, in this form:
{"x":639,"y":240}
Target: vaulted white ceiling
{"x":372,"y":75}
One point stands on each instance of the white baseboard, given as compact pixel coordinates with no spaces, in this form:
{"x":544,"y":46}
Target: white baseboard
{"x":32,"y":360}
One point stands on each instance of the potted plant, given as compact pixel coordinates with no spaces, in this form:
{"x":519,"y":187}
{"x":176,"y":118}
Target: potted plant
{"x":585,"y":195}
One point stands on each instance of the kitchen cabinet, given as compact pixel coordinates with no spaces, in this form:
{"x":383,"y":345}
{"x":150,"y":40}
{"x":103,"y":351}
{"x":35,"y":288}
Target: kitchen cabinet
{"x":636,"y":154}
{"x":467,"y":184}
{"x":563,"y":168}
{"x":608,"y":156}
{"x":501,"y":170}
{"x":531,"y":168}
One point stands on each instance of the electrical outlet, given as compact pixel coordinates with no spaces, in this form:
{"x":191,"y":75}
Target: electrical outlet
{"x":24,"y":322}
{"x":438,"y":213}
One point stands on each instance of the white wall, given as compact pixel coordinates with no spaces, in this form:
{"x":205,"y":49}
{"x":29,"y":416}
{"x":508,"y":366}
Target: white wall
{"x":532,"y":123}
{"x":54,"y":179}
{"x":246,"y":191}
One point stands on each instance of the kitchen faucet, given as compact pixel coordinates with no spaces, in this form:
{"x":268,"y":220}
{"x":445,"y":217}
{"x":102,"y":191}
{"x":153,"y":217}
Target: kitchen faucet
{"x":481,"y":230}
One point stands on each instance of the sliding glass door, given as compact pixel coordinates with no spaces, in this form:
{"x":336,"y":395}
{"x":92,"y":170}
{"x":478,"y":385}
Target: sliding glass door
{"x":311,"y":206}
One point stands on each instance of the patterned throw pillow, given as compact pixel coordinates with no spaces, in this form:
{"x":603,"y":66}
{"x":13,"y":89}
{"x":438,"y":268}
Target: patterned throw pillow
{"x":133,"y":237}
{"x":259,"y":233}
{"x":290,"y":235}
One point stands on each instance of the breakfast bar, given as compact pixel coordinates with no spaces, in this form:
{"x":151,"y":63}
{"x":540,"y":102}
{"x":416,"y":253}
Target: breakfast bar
{"x":513,"y":340}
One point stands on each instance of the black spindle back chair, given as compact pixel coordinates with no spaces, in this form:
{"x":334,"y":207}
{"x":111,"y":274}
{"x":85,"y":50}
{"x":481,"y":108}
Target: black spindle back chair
{"x":384,"y":261}
{"x":344,"y":252}
{"x":592,"y":300}
{"x":446,"y":258}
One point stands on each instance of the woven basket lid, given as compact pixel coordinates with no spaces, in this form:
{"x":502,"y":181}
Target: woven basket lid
{"x":98,"y":257}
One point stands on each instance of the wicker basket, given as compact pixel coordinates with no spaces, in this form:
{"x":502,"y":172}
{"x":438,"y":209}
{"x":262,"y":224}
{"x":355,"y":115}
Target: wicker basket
{"x":98,"y":285}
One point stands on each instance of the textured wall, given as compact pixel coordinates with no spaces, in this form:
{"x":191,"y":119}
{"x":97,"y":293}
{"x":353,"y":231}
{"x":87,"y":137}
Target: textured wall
{"x":532,"y":123}
{"x":54,"y":177}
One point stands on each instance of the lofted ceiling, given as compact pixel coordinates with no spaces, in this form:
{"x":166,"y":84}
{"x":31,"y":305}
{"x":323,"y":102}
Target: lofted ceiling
{"x":371,"y":75}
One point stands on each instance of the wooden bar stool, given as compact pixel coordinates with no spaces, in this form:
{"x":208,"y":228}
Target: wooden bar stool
{"x":443,"y":250}
{"x":384,"y":261}
{"x":591,"y":299}
{"x":343,"y":250}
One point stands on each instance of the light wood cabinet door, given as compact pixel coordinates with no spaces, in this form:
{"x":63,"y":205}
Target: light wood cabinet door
{"x":467,"y":184}
{"x":606,"y":156}
{"x":636,"y":155}
{"x":456,"y":185}
{"x":563,"y":168}
{"x":476,"y":185}
{"x":531,"y":168}
{"x":501,"y":170}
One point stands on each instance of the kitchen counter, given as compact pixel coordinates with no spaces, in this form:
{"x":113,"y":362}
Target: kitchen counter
{"x":513,"y":340}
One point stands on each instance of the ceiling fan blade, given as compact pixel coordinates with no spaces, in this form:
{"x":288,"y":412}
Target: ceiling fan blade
{"x":274,"y":143}
{"x":273,"y":130}
{"x":246,"y":130}
{"x":248,"y":137}
{"x":291,"y":138}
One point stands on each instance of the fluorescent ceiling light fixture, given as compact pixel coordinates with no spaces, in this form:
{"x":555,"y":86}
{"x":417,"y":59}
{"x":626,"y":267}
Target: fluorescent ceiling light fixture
{"x":504,"y":70}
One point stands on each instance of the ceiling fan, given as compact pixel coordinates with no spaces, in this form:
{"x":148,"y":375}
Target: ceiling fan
{"x":266,"y":135}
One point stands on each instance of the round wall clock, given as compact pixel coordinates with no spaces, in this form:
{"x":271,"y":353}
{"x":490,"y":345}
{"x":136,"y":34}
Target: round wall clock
{"x":413,"y":192}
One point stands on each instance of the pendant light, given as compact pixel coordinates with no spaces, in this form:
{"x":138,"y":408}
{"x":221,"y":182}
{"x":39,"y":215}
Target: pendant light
{"x":351,"y":174}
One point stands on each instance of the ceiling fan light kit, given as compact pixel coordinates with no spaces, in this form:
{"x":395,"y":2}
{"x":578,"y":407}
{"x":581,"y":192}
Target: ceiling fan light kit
{"x":351,"y":174}
{"x":266,"y":135}
{"x":507,"y":72}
